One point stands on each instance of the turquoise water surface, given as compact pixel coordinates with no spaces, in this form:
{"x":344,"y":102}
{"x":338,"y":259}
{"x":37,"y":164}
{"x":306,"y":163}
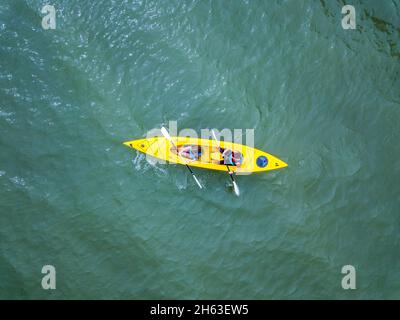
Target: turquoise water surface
{"x":324,"y":99}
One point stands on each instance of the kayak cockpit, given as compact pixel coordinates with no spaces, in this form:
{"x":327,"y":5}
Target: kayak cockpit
{"x":211,"y":155}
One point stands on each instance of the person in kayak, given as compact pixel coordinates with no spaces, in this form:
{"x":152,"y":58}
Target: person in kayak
{"x":231,"y":157}
{"x":190,"y":152}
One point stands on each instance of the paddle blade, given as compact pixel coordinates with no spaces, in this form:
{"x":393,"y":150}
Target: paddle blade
{"x":165,"y":133}
{"x":236,"y":188}
{"x":197,"y":181}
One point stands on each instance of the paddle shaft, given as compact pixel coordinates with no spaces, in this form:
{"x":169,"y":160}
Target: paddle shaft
{"x":236,"y":188}
{"x":166,"y":135}
{"x":191,"y":171}
{"x":230,"y":173}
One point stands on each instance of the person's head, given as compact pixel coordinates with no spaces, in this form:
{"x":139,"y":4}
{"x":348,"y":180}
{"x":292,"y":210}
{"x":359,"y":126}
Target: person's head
{"x":236,"y":157}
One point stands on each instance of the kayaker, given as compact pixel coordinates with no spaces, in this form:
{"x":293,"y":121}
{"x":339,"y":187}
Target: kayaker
{"x":188,"y":152}
{"x":231,"y":157}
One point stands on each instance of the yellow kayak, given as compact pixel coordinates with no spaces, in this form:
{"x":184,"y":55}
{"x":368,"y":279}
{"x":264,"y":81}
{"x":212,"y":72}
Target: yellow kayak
{"x":208,"y":154}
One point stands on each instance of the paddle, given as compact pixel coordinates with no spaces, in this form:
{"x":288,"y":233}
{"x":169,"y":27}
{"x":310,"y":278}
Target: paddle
{"x":168,"y":137}
{"x":235,"y":186}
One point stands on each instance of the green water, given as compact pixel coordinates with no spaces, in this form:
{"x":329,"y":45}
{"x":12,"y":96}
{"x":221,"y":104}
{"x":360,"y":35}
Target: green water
{"x":324,"y":99}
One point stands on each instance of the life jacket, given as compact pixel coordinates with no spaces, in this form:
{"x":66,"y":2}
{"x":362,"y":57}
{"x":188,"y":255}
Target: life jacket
{"x":228,"y":157}
{"x":233,"y":155}
{"x":192,"y":155}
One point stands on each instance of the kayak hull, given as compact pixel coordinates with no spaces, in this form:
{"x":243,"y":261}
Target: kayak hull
{"x":254,"y":160}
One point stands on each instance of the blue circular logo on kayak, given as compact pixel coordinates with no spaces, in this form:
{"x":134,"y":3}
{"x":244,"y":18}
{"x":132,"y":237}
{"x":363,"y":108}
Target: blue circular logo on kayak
{"x":262,"y":161}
